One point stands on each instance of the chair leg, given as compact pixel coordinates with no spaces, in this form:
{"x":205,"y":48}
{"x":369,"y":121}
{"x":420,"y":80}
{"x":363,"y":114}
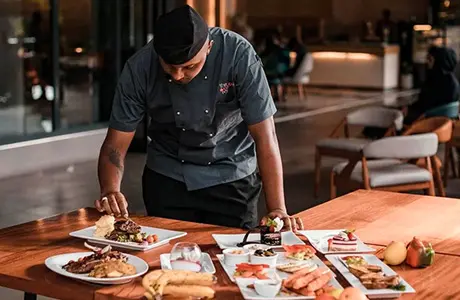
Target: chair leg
{"x":446,"y":163}
{"x":452,"y":161}
{"x":430,"y":191}
{"x":300,"y":89}
{"x":437,"y":177}
{"x":317,"y":172}
{"x":333,"y":188}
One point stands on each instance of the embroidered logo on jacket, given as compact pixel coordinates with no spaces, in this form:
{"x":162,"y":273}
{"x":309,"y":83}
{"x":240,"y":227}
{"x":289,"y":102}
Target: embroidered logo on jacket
{"x":224,"y":87}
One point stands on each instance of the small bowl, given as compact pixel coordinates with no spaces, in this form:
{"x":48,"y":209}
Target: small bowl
{"x":253,"y":247}
{"x":267,"y":260}
{"x":267,"y":288}
{"x":234,"y":256}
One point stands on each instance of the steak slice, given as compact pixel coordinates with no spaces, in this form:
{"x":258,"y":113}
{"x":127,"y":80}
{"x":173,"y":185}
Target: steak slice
{"x":127,"y":226}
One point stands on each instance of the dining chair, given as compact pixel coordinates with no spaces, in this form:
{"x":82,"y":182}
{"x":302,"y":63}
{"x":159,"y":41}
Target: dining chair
{"x":442,"y":127}
{"x":301,"y":76}
{"x":388,"y":169}
{"x":451,"y":149}
{"x":350,"y":148}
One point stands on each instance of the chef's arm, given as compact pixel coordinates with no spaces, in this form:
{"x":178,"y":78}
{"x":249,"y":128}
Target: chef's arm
{"x":270,"y":165}
{"x":110,"y":171}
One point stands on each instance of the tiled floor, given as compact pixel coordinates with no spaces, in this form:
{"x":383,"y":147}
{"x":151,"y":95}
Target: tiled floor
{"x":55,"y":191}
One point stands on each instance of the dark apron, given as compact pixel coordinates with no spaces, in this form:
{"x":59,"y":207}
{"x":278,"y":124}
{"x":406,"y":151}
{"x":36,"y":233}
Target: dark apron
{"x":231,"y":204}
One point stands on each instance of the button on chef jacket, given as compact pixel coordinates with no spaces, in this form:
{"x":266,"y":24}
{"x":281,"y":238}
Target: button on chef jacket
{"x":199,"y":131}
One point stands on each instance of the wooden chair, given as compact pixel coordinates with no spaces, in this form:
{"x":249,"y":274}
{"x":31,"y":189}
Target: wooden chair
{"x":453,"y":144}
{"x":388,"y":170}
{"x":301,"y":76}
{"x":442,"y":127}
{"x":350,"y":148}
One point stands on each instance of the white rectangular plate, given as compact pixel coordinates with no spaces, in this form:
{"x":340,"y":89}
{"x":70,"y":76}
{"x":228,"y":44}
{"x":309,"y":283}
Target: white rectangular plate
{"x":338,"y":263}
{"x":273,"y":273}
{"x":225,"y":241}
{"x":164,"y":237}
{"x":318,"y":239}
{"x":206,"y":263}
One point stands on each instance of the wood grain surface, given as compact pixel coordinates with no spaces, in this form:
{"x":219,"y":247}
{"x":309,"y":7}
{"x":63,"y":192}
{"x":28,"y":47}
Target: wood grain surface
{"x":377,"y":216}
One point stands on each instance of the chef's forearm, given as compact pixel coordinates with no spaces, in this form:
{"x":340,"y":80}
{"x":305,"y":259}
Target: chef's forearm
{"x":110,"y":168}
{"x":271,"y":171}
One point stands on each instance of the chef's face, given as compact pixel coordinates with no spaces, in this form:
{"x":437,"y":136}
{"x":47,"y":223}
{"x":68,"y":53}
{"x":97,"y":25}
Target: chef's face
{"x":185,"y":72}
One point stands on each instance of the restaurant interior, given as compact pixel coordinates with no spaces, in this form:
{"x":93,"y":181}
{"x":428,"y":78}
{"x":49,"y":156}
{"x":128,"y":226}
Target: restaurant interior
{"x":367,"y":123}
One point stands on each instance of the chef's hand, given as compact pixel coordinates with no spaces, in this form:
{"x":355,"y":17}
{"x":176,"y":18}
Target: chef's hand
{"x":290,"y":223}
{"x":114,"y":204}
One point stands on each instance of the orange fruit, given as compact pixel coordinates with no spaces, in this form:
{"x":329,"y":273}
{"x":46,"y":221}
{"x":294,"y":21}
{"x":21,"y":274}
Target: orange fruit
{"x":351,"y":293}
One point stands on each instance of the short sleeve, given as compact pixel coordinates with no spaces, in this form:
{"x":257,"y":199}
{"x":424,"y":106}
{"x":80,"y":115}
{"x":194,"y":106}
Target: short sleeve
{"x":129,"y":103}
{"x":252,"y":88}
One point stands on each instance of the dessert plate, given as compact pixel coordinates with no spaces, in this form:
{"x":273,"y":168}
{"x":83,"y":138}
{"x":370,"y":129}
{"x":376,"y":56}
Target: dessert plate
{"x":319,"y":240}
{"x":225,"y":241}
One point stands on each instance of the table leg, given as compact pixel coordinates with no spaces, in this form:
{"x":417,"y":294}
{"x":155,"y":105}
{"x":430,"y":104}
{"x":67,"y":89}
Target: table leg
{"x":29,"y":296}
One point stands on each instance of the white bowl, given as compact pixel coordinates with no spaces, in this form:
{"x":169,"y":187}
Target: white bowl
{"x":267,"y":288}
{"x":232,"y":259}
{"x":254,"y":247}
{"x":268,"y":260}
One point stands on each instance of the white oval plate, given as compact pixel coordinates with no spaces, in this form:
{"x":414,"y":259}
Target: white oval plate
{"x":55,"y":264}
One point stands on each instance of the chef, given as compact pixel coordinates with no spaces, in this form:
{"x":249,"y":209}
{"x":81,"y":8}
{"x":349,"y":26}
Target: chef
{"x":213,"y":142}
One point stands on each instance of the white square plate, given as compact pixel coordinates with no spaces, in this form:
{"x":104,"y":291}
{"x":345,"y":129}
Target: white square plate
{"x":206,"y":263}
{"x":164,"y":237}
{"x":225,"y":241}
{"x":251,"y":294}
{"x":318,"y":239}
{"x":339,"y":264}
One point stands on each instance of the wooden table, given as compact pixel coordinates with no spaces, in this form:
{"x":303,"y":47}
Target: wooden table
{"x":24,"y":248}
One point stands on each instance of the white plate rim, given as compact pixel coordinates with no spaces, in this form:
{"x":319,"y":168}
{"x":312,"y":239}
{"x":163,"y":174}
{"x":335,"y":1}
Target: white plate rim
{"x":208,"y":257}
{"x":64,"y":273}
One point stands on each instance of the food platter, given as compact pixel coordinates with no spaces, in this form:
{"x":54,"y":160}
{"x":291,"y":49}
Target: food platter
{"x":164,"y":237}
{"x":56,"y":263}
{"x":225,"y":241}
{"x":319,"y":240}
{"x":338,"y":261}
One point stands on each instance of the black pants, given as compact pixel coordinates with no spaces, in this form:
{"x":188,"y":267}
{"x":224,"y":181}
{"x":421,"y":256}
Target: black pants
{"x":231,"y":204}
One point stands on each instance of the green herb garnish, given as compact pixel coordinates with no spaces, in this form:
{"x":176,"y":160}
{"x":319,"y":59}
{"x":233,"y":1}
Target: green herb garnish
{"x":399,"y":287}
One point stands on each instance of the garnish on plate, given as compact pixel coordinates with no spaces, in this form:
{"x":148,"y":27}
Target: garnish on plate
{"x":299,"y":252}
{"x":354,"y":260}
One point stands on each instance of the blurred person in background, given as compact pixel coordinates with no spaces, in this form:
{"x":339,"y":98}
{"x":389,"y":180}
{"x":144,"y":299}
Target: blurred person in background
{"x":240,"y":26}
{"x":386,"y":28}
{"x":300,"y":51}
{"x":441,"y":87}
{"x":276,"y":62}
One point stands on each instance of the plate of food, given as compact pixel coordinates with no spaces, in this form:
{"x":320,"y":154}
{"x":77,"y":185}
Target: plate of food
{"x":178,"y":284}
{"x":126,"y":234}
{"x":101,"y":266}
{"x":266,"y":263}
{"x":305,"y":282}
{"x":369,"y":274}
{"x":336,"y":241}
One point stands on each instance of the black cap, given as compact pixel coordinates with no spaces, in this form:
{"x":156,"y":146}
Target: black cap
{"x":179,"y":35}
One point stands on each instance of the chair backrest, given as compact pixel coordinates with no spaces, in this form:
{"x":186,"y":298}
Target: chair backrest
{"x":305,"y":68}
{"x":403,"y":147}
{"x":449,"y":110}
{"x":376,"y":116}
{"x":441,"y":126}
